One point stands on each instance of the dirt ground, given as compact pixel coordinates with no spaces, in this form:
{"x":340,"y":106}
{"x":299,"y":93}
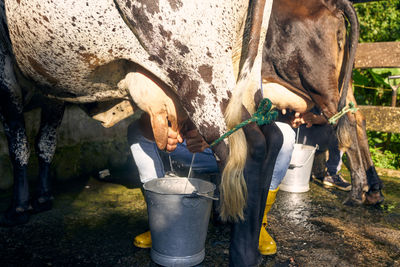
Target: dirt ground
{"x":93,"y":223}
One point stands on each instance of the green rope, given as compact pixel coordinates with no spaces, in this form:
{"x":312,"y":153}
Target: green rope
{"x":351,"y":107}
{"x":262,"y":116}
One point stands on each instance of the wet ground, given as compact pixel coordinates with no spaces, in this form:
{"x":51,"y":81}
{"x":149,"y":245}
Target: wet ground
{"x":93,"y":223}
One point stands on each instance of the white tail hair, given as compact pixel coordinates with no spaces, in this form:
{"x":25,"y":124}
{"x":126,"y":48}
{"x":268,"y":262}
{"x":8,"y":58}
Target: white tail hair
{"x":233,"y":186}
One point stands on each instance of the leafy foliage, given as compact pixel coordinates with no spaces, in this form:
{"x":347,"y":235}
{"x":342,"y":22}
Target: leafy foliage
{"x":385,"y":152}
{"x":379,"y":21}
{"x":372,"y":87}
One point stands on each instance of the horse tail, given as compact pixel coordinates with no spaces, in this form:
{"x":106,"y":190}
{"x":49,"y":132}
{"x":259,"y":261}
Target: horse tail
{"x":233,"y":187}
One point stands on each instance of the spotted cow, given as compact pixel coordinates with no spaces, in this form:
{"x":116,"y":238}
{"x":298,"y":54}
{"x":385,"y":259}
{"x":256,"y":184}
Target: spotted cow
{"x":200,"y":57}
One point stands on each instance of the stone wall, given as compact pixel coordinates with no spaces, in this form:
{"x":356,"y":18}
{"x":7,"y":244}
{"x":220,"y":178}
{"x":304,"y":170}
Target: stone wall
{"x":84,"y":147}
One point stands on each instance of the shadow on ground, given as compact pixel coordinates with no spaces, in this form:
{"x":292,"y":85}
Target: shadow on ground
{"x":93,"y":223}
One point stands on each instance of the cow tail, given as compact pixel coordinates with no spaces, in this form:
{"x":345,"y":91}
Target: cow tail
{"x":233,"y":185}
{"x":351,"y":43}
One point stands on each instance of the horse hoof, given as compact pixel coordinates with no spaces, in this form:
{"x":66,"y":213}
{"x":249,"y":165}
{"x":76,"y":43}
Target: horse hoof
{"x":13,"y":217}
{"x":42,"y":204}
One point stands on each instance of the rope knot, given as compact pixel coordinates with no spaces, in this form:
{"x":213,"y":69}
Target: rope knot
{"x":350,"y":107}
{"x":263,"y":115}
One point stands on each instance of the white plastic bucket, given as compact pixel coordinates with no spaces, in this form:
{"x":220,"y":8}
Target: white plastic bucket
{"x":297,"y":177}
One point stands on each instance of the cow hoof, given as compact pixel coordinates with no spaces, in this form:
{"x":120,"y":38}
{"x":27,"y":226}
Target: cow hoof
{"x":352,"y":202}
{"x":42,"y":204}
{"x":14,"y":216}
{"x":374,"y":198}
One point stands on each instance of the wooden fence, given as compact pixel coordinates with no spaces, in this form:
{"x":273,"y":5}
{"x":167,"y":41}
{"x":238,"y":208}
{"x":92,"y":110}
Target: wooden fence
{"x":380,"y":55}
{"x":382,"y":119}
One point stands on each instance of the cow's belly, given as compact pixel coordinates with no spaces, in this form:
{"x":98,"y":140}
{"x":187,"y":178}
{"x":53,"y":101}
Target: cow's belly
{"x":78,"y":50}
{"x":283,"y":98}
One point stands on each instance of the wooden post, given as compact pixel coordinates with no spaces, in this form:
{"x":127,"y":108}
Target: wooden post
{"x":393,"y":104}
{"x":394,"y":89}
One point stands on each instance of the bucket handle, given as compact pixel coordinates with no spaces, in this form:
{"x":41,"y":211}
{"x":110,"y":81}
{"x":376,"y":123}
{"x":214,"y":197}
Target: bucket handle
{"x":197,"y":194}
{"x":292,"y":166}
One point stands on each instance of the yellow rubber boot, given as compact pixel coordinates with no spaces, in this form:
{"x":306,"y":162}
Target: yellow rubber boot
{"x":143,"y":240}
{"x":266,"y":244}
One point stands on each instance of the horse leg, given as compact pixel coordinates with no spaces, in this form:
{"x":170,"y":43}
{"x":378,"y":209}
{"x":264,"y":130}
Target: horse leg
{"x":45,"y":145}
{"x":374,"y":194}
{"x":263,"y":148}
{"x":11,"y":113}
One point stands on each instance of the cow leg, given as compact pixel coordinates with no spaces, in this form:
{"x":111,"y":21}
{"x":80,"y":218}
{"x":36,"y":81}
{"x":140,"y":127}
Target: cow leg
{"x":359,"y":185}
{"x":11,"y":114}
{"x":263,"y":148}
{"x":45,"y":145}
{"x":374,"y":194}
{"x":358,"y":177}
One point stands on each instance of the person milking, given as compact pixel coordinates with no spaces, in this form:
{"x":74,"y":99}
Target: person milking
{"x":146,"y":156}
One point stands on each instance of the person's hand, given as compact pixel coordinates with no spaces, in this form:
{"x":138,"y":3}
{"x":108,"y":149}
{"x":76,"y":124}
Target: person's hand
{"x":296,"y":120}
{"x":307,"y":118}
{"x":310,"y":118}
{"x":174,"y":137}
{"x":195,"y":142}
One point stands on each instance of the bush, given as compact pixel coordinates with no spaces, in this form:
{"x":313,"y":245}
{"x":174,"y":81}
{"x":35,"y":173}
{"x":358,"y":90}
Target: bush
{"x":379,"y":21}
{"x":385,"y":153}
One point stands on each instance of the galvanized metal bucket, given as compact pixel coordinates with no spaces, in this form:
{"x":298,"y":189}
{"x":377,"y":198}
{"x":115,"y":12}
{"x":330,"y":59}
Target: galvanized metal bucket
{"x":179,"y":212}
{"x":297,"y":177}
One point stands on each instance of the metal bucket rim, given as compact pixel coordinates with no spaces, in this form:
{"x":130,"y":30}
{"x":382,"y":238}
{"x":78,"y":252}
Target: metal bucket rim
{"x":147,"y":184}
